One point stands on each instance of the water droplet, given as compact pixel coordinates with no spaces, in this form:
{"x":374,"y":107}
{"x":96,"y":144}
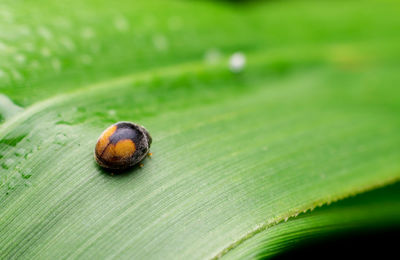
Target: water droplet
{"x":6,"y":15}
{"x":23,"y":29}
{"x":3,"y":46}
{"x":63,"y":122}
{"x":20,"y":58}
{"x":7,"y":164}
{"x":87,"y":33}
{"x":160,"y":42}
{"x":11,"y":185}
{"x":45,"y":52}
{"x":56,"y":64}
{"x":16,"y":75}
{"x":121,"y":24}
{"x":112,"y":113}
{"x":44,"y":32}
{"x":237,"y":62}
{"x":61,"y":139}
{"x":20,"y":152}
{"x":86,"y":59}
{"x":212,"y":56}
{"x":13,"y":141}
{"x":2,"y":74}
{"x":67,"y":43}
{"x":26,"y":175}
{"x":28,"y":46}
{"x":31,"y":153}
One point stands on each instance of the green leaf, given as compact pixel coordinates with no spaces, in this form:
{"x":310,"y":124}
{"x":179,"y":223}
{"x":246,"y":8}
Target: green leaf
{"x":311,"y":119}
{"x":364,"y":213}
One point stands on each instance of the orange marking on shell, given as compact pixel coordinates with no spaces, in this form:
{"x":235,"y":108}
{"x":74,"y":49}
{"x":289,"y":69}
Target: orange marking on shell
{"x":124,"y":148}
{"x":104,"y":139}
{"x":108,"y":154}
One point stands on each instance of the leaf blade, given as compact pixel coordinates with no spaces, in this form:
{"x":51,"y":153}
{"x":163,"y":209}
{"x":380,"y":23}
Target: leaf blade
{"x":231,"y":152}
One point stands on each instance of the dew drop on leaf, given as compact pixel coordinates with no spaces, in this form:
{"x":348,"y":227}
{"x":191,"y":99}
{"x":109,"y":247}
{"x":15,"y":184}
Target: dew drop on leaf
{"x":121,"y":24}
{"x":20,"y":152}
{"x":11,"y":185}
{"x":160,"y":42}
{"x":3,"y":46}
{"x":20,"y":58}
{"x":7,"y":164}
{"x":61,"y":139}
{"x":16,"y":75}
{"x":212,"y":56}
{"x":56,"y":64}
{"x":25,"y":175}
{"x":68,"y":43}
{"x":112,"y":113}
{"x":45,"y":52}
{"x":86,"y":59}
{"x":45,"y":33}
{"x":237,"y":62}
{"x":28,"y":46}
{"x":2,"y":74}
{"x":12,"y":141}
{"x":87,"y":33}
{"x":30,"y":154}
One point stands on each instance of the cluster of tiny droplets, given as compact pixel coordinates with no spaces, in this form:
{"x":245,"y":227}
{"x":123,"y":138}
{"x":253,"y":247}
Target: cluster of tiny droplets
{"x":29,"y":48}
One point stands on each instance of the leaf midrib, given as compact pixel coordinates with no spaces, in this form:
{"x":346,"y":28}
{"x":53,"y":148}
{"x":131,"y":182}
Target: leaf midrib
{"x":263,"y":227}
